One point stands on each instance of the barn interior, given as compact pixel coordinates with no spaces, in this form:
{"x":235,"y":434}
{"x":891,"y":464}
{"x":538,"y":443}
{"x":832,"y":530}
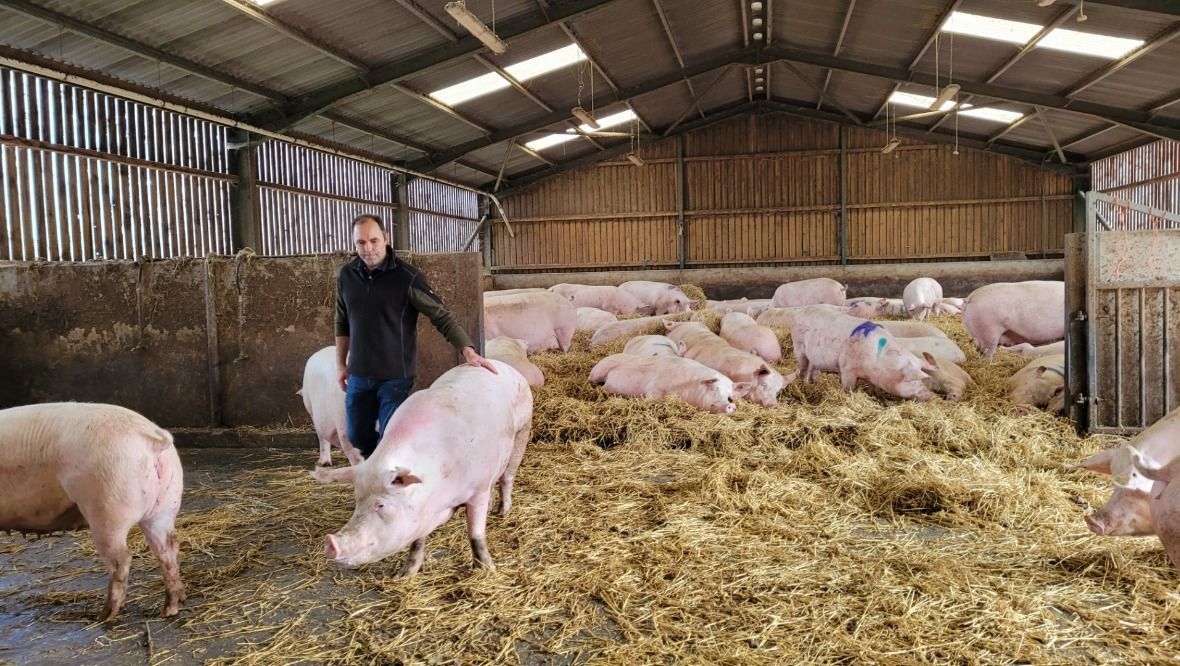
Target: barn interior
{"x":179,"y":182}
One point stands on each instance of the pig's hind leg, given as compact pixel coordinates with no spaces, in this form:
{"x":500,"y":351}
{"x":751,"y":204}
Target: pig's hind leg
{"x":110,"y":540}
{"x":160,"y":532}
{"x":509,"y":475}
{"x":477,"y":524}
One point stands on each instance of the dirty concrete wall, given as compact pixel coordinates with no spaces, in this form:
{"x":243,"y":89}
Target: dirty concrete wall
{"x":958,"y":278}
{"x":190,"y":342}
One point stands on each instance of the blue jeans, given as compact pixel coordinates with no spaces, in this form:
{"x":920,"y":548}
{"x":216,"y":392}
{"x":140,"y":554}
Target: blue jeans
{"x":372,"y":400}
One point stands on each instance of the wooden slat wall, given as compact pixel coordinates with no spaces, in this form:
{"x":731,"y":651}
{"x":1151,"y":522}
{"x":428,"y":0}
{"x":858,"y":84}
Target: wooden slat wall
{"x":763,"y":189}
{"x":1148,"y":175}
{"x":87,"y":176}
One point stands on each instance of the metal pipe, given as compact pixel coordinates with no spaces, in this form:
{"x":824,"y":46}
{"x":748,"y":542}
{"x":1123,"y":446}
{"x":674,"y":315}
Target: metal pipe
{"x":74,"y":79}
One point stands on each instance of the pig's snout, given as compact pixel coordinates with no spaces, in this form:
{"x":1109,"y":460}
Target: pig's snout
{"x":1096,"y":523}
{"x":730,"y":408}
{"x":331,"y":547}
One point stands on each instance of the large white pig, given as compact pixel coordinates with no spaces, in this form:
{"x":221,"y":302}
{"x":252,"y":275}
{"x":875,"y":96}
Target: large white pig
{"x":809,"y":292}
{"x":70,"y":465}
{"x":1032,"y":351}
{"x":514,"y":352}
{"x":511,"y":292}
{"x":944,"y":377}
{"x":943,"y":348}
{"x":710,"y":349}
{"x":912,"y":329}
{"x":544,"y":320}
{"x":653,"y":345}
{"x":871,"y":353}
{"x":437,"y":454}
{"x":659,"y":376}
{"x":605,"y":297}
{"x":1128,"y":510}
{"x":324,"y":401}
{"x":783,"y":317}
{"x":949,"y":306}
{"x":749,"y":306}
{"x":1039,"y":384}
{"x":657,"y":298}
{"x":743,"y":333}
{"x":592,"y":319}
{"x":1015,"y":312}
{"x":921,"y":297}
{"x":628,"y":328}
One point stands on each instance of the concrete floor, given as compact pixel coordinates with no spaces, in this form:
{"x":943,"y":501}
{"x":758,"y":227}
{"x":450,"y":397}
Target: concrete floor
{"x":47,"y":614}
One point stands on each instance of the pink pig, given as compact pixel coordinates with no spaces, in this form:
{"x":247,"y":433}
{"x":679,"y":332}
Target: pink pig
{"x":743,"y":333}
{"x":436,"y":455}
{"x":659,"y":376}
{"x":708,"y":348}
{"x":69,"y":465}
{"x":324,"y":401}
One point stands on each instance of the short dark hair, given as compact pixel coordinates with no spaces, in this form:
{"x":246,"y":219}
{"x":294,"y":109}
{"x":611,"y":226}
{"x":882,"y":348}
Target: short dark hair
{"x":366,"y":217}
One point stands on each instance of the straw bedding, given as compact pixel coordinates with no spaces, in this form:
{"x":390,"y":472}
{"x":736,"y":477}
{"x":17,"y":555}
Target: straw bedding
{"x":836,"y":528}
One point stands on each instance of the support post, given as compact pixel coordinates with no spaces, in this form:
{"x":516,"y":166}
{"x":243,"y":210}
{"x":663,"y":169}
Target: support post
{"x":401,"y":229}
{"x":245,"y":212}
{"x":1081,"y":184}
{"x":485,"y":233}
{"x":681,"y":196}
{"x":843,"y":230}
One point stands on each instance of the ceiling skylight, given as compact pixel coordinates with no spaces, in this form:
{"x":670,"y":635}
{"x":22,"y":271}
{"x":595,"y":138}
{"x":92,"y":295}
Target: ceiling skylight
{"x":924,"y":102}
{"x":1060,"y":39}
{"x":521,"y":71}
{"x":550,"y":140}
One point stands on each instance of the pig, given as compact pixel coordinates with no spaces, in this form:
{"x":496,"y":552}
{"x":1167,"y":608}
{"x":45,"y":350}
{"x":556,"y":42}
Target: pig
{"x":592,"y":319}
{"x":69,"y":465}
{"x":658,"y":298}
{"x":809,"y":292}
{"x":608,"y":298}
{"x":436,"y":455}
{"x":1129,"y":510}
{"x":1030,"y":351}
{"x":510,"y":292}
{"x":944,"y":377}
{"x":514,"y":352}
{"x":627,"y":328}
{"x":743,"y":333}
{"x":748,"y":306}
{"x":544,"y":320}
{"x":653,"y":345}
{"x":1015,"y":312}
{"x":871,"y":353}
{"x":1039,"y":383}
{"x":866,"y":308}
{"x":324,"y":401}
{"x":782,"y":317}
{"x":949,"y":306}
{"x":659,"y":376}
{"x":912,"y":329}
{"x":922,"y":297}
{"x":943,"y":348}
{"x":765,"y":383}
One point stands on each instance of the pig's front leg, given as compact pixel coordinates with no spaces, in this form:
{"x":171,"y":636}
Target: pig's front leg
{"x":414,"y":561}
{"x":477,"y":521}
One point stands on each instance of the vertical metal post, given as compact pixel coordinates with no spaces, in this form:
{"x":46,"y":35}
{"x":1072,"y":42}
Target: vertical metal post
{"x":1092,"y":275}
{"x":681,"y":195}
{"x":843,"y":230}
{"x":245,"y":214}
{"x":1081,"y":183}
{"x":485,"y":233}
{"x":401,"y":230}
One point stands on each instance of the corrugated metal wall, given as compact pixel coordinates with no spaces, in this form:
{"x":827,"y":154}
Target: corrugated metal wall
{"x":442,"y":217}
{"x":1149,"y":176}
{"x":765,"y":189}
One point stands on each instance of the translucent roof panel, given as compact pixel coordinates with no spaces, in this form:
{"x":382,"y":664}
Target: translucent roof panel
{"x":522,"y":71}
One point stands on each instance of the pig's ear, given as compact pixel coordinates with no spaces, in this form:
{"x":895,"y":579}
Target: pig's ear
{"x":762,"y":371}
{"x":401,"y":476}
{"x":710,"y":381}
{"x":740,"y":389}
{"x":1041,"y":370}
{"x":1099,"y":462}
{"x":669,"y":325}
{"x":681,"y":348}
{"x":334,"y":475}
{"x":931,"y":362}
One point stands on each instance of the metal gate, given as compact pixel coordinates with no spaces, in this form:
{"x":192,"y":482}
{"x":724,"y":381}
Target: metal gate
{"x":1123,"y":316}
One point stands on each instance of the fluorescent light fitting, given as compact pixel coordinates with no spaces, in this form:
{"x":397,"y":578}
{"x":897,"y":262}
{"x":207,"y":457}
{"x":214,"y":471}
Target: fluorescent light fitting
{"x":757,"y":36}
{"x":587,"y":119}
{"x":758,"y":70}
{"x":893,"y":143}
{"x":476,"y":27}
{"x":756,"y":6}
{"x":635,"y":159}
{"x":757,"y":22}
{"x":1045,"y":3}
{"x":945,"y":96}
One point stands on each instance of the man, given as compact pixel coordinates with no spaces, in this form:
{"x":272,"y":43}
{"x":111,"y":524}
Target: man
{"x":378,"y":299}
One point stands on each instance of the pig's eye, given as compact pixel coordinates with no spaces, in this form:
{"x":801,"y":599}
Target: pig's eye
{"x":380,"y":505}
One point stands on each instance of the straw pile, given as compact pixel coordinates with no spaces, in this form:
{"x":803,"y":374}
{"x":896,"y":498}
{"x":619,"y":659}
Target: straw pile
{"x":835,"y":528}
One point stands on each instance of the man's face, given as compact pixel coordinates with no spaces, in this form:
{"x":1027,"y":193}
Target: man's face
{"x":370,"y":243}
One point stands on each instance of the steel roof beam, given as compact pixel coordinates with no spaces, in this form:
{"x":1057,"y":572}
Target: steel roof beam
{"x":262,"y":16}
{"x":836,"y":51}
{"x":1167,"y":35}
{"x":676,"y":50}
{"x":946,"y":13}
{"x":426,"y":60}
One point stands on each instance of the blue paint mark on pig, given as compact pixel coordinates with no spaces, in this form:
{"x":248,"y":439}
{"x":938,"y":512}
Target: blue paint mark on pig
{"x":881,"y":346}
{"x":864,"y":329}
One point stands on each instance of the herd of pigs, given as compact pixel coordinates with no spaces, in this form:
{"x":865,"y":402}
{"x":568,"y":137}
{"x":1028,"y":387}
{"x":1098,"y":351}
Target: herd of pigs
{"x":72,"y":465}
